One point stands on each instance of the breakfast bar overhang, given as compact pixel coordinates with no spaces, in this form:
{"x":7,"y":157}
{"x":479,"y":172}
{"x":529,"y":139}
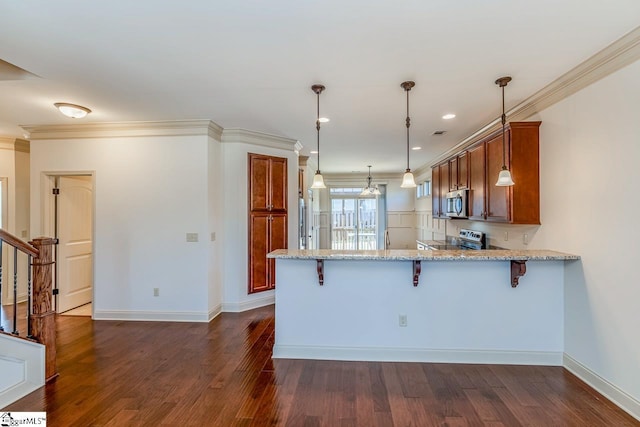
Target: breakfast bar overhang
{"x":365,"y":305}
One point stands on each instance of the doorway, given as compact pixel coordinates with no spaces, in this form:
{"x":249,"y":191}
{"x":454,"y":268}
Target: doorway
{"x":354,"y":220}
{"x":68,"y":216}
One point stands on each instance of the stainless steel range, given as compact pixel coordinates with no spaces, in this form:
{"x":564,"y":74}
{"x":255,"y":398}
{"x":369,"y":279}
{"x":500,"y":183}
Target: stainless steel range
{"x":467,"y":239}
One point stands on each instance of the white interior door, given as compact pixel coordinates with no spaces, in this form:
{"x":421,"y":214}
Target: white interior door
{"x":75,"y":230}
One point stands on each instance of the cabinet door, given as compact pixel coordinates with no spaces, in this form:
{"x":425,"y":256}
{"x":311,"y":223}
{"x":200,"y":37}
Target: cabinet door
{"x":453,"y":174}
{"x":497,"y":197}
{"x":435,"y":191}
{"x":463,"y":171}
{"x":278,"y":184}
{"x":258,"y":249}
{"x":258,"y":182}
{"x":477,"y":182}
{"x":444,"y":188}
{"x":277,"y":240}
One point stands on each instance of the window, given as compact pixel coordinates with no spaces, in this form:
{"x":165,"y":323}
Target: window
{"x":423,"y":189}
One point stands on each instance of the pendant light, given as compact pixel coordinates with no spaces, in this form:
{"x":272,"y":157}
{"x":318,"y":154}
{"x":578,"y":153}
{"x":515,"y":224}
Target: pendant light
{"x":318,"y":181}
{"x":370,"y":190}
{"x":407,"y":179}
{"x":504,"y":178}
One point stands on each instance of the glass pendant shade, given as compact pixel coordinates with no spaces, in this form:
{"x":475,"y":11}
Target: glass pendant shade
{"x":504,"y":179}
{"x":407,"y":180}
{"x":370,"y":190}
{"x":318,"y":181}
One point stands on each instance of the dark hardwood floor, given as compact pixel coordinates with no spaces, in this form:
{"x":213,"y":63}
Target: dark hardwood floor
{"x":221,"y":374}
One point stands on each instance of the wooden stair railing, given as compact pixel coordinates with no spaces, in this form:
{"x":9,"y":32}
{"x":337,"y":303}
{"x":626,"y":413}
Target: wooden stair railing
{"x":41,"y":325}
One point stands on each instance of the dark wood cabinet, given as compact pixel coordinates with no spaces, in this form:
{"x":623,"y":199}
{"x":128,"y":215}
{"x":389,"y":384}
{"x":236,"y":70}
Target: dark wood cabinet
{"x":477,"y":174}
{"x":463,"y":171}
{"x":519,"y":204}
{"x":440,"y":182}
{"x":435,"y":191}
{"x":458,"y":172}
{"x":497,"y":198}
{"x":267,"y":217}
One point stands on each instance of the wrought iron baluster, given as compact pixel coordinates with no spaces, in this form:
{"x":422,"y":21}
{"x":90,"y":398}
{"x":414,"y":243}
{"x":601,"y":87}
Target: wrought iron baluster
{"x":15,"y":292}
{"x":29,"y":299}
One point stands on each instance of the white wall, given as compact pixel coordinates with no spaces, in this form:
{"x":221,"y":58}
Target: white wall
{"x":589,"y":154}
{"x":216,"y":225}
{"x":149,"y":192}
{"x":401,"y":215}
{"x":589,"y":178}
{"x":14,"y":165}
{"x":236,"y":219}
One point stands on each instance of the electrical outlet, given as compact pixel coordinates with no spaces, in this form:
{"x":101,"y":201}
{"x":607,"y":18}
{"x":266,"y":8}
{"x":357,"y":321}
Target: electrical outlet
{"x":506,"y":236}
{"x":213,"y":236}
{"x":192,"y":237}
{"x":156,"y":292}
{"x":402,"y":320}
{"x":23,"y":233}
{"x":525,"y":238}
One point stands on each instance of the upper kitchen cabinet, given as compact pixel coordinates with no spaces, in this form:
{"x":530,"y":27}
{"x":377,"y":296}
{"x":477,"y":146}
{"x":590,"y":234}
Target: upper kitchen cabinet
{"x":458,"y":172}
{"x":440,"y":183}
{"x":519,"y":204}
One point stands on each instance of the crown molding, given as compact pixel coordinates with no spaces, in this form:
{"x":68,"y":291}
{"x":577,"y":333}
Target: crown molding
{"x":617,"y":55}
{"x":244,"y":136}
{"x":125,"y":129}
{"x":14,"y":144}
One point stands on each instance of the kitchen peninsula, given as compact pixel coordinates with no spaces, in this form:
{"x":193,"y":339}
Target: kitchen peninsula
{"x":484,"y":306}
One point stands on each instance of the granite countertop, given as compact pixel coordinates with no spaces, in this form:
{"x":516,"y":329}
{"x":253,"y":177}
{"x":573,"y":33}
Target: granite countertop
{"x":425,"y":255}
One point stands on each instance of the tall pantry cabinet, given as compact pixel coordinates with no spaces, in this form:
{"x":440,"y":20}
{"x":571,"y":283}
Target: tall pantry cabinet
{"x":267,"y":217}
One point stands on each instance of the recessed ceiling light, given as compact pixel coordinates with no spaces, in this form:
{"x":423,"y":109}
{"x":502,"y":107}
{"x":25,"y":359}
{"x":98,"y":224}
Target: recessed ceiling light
{"x":323,"y":119}
{"x":72,"y":110}
{"x":440,"y":132}
{"x":314,"y":152}
{"x":449,"y":116}
{"x":416,"y":148}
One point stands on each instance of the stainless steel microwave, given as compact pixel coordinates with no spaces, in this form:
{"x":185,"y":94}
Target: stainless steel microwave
{"x":457,"y":204}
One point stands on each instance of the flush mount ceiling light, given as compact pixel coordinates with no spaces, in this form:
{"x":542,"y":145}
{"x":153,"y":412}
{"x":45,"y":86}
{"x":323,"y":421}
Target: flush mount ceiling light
{"x":318,"y":181}
{"x":324,"y":119}
{"x":72,"y":110}
{"x":407,"y":178}
{"x":504,"y":178}
{"x":449,"y":116}
{"x":370,"y":190}
{"x":416,"y":148}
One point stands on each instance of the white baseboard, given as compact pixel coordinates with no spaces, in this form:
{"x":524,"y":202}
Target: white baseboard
{"x":152,"y":316}
{"x":625,"y":401}
{"x":376,"y":354}
{"x":213,"y":313}
{"x":21,"y":368}
{"x":237,"y":307}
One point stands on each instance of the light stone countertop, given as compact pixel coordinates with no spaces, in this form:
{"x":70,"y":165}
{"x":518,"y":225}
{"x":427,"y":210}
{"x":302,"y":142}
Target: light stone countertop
{"x":424,"y":255}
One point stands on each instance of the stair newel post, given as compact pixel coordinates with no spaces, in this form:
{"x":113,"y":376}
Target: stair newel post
{"x":43,"y":326}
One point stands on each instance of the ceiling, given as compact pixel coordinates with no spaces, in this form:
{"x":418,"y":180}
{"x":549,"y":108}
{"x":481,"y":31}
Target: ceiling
{"x":250,"y":64}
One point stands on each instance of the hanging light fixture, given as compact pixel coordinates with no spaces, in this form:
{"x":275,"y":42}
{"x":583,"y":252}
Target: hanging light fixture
{"x":318,"y":181}
{"x":504,"y":178}
{"x":407,"y":179}
{"x":370,"y":190}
